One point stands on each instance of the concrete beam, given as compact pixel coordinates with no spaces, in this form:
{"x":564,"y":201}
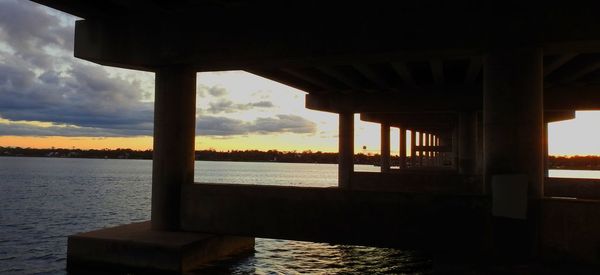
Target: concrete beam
{"x":572,"y":98}
{"x":413,"y":118}
{"x":558,"y":62}
{"x":423,"y":103}
{"x":554,"y":116}
{"x":556,"y":98}
{"x":425,"y":221}
{"x":140,"y":44}
{"x":320,"y":41}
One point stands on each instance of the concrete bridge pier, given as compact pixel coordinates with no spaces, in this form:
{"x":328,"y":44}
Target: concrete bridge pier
{"x":466,"y":143}
{"x":413,"y":148}
{"x":385,"y":147}
{"x":402,"y":148}
{"x":346,"y":149}
{"x":160,"y":245}
{"x":174,"y":136}
{"x":513,"y":148}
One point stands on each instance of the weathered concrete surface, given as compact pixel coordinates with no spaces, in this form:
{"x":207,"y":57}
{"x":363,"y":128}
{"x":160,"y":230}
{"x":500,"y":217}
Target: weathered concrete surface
{"x":346,"y":149}
{"x":174,"y":135}
{"x":570,"y":231}
{"x":414,"y":181}
{"x":135,"y":247}
{"x":573,"y":188}
{"x":388,"y":219}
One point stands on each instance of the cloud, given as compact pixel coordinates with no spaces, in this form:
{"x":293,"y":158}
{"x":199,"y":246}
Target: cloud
{"x":38,"y":82}
{"x":26,"y":129}
{"x":84,"y":95}
{"x":215,"y":91}
{"x":30,"y":30}
{"x":223,"y":126}
{"x":227,"y":106}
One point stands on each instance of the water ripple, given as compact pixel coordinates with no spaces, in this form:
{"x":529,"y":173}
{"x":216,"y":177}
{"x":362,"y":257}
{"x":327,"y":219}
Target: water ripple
{"x":45,"y":200}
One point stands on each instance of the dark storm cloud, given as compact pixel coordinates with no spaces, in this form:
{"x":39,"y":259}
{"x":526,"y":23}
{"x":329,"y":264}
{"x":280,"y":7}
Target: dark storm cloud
{"x":227,"y":106}
{"x":28,"y":29}
{"x":40,"y":81}
{"x":23,"y":129}
{"x":84,"y":96}
{"x":222,"y":126}
{"x":38,"y":86}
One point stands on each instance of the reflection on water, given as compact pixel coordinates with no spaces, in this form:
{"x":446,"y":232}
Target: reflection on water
{"x":585,"y":174}
{"x":43,"y":200}
{"x":294,"y":257}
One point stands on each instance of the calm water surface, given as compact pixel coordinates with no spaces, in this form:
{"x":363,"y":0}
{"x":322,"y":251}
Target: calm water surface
{"x":44,"y":200}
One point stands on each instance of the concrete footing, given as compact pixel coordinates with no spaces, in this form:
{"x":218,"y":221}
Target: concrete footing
{"x":136,"y":248}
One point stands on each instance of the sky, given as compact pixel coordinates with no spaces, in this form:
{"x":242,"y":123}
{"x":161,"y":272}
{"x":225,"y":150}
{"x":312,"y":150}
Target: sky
{"x":48,"y":98}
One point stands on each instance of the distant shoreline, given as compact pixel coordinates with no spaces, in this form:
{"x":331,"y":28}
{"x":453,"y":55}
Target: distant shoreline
{"x":555,"y":162}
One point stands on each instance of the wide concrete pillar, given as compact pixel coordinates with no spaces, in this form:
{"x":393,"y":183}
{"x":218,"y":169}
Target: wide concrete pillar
{"x":346,"y":149}
{"x":174,"y":133}
{"x":385,"y":147}
{"x":466,"y":143}
{"x":513,"y":149}
{"x":413,"y":148}
{"x":402,"y":148}
{"x":513,"y":116}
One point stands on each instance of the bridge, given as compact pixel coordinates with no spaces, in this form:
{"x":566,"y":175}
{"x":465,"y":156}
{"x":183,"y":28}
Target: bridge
{"x":472,"y":83}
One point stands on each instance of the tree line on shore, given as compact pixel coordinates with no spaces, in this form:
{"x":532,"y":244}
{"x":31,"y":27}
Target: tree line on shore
{"x":554,"y":162}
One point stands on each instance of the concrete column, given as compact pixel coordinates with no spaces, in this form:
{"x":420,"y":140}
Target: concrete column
{"x":428,"y":153}
{"x":402,"y":148}
{"x":174,"y":133}
{"x":413,"y":148}
{"x":454,"y":154}
{"x":513,"y":116}
{"x":385,"y":147}
{"x":466,"y":143}
{"x":479,"y":143}
{"x":422,"y":151}
{"x":346,"y":150}
{"x":444,"y":142}
{"x":513,"y":149}
{"x":546,"y":158}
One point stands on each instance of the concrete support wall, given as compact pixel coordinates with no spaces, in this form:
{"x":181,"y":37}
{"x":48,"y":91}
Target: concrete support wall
{"x":402,"y":148}
{"x":390,"y":219}
{"x":174,"y":133}
{"x":346,"y":150}
{"x":385,"y":147}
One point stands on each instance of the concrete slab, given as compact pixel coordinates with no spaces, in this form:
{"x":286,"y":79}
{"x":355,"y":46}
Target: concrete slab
{"x":135,"y":247}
